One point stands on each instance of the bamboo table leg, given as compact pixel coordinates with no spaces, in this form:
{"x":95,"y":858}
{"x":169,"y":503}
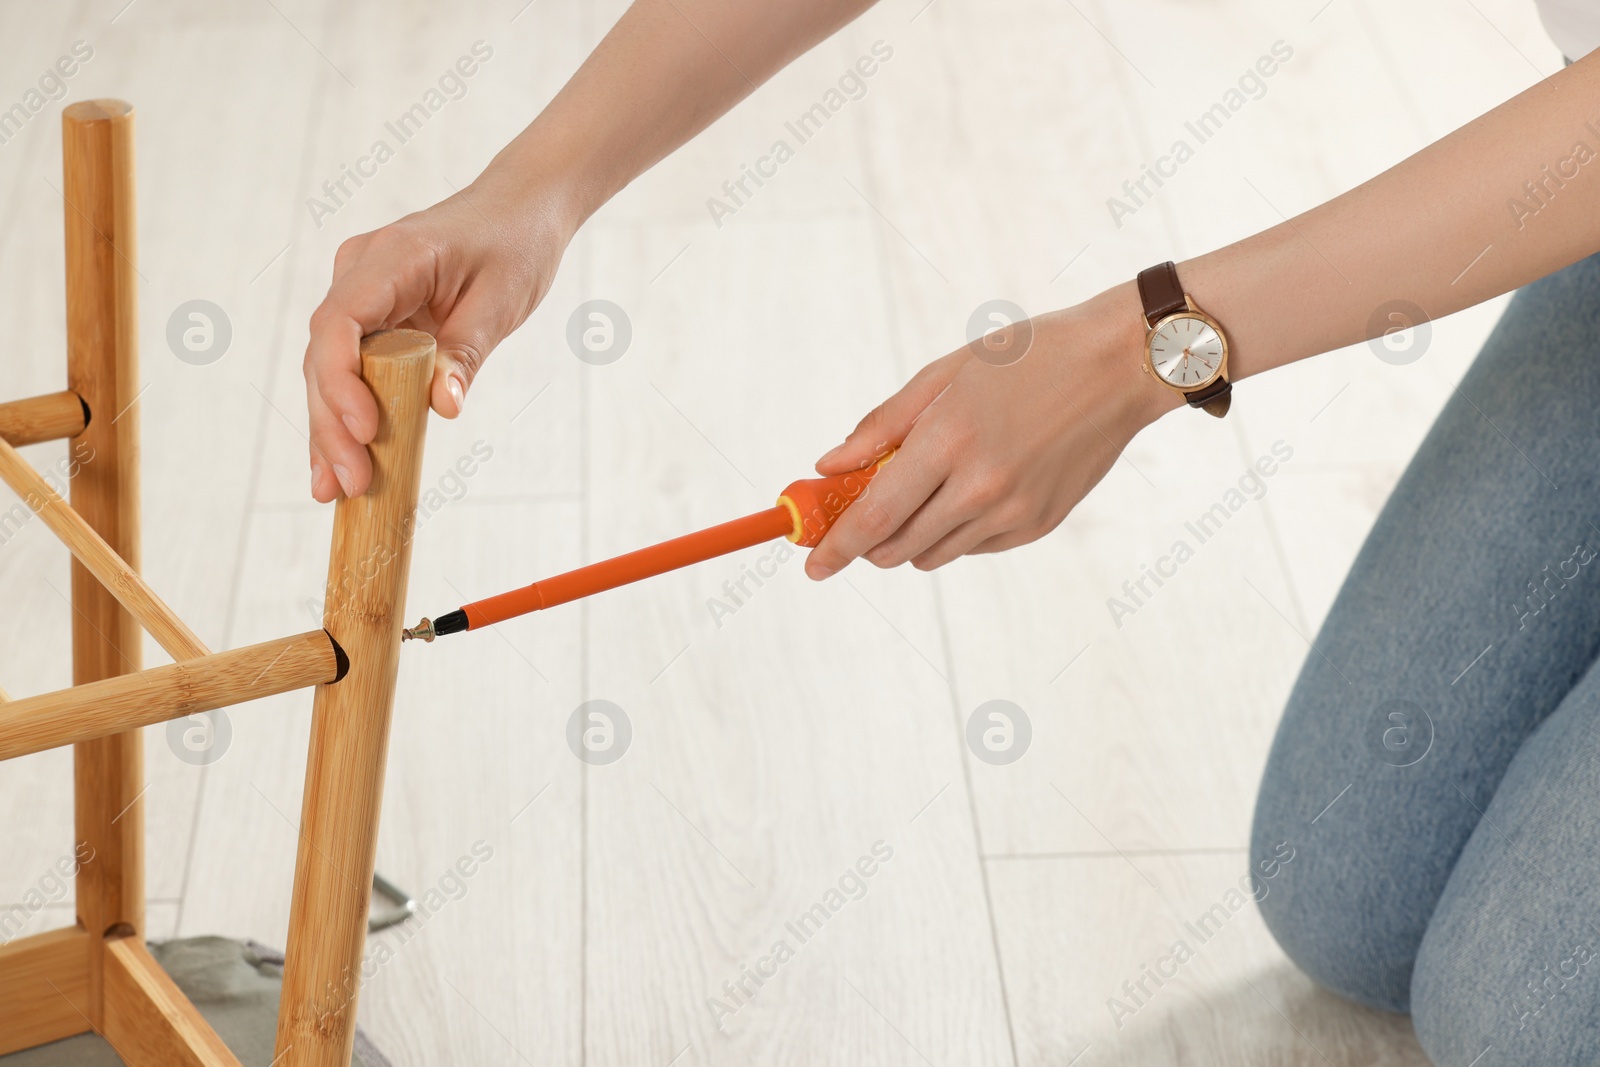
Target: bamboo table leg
{"x":103,"y":369}
{"x":366,"y":592}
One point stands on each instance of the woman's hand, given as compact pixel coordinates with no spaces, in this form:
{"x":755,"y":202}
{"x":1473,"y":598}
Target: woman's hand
{"x":468,"y":270}
{"x":993,"y":456}
{"x":471,"y":269}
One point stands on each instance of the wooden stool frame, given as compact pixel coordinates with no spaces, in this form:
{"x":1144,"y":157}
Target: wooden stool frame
{"x":98,"y":975}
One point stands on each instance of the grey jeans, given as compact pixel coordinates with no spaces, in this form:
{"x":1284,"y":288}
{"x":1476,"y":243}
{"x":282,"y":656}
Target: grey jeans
{"x":1437,"y":769}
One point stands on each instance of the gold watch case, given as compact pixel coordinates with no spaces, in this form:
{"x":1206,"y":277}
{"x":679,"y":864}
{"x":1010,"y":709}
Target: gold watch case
{"x":1192,"y":312}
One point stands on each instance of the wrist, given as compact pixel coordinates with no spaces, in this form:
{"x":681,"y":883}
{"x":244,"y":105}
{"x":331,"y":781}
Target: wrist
{"x":543,"y":182}
{"x":1118,"y":315}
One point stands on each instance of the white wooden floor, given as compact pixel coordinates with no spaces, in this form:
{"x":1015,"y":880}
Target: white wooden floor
{"x":772,"y":751}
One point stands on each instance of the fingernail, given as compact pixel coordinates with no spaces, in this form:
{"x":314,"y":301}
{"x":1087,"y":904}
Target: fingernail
{"x":457,"y":392}
{"x":350,"y":424}
{"x":316,"y":476}
{"x":830,"y":453}
{"x":343,"y":475}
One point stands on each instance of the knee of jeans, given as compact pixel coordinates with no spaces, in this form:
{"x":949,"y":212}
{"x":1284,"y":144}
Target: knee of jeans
{"x":1445,"y":1013}
{"x":1333,"y":914}
{"x":1462,"y":1005}
{"x":1530,"y":995}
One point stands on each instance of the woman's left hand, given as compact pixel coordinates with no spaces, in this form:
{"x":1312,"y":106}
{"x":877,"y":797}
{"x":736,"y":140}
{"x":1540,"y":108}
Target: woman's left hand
{"x":994,"y":454}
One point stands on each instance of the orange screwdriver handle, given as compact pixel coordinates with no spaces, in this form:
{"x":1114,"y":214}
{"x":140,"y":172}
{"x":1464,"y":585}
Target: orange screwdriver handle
{"x":815,"y":504}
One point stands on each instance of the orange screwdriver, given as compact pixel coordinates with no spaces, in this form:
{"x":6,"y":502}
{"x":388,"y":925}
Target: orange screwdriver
{"x":804,"y":513}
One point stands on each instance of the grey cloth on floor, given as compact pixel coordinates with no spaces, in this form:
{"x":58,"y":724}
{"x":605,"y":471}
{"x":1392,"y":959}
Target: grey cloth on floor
{"x":234,"y":985}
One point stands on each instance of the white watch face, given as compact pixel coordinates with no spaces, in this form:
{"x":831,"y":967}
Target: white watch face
{"x":1185,"y":351}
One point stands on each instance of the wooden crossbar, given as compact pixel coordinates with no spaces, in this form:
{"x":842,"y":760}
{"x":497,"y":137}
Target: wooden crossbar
{"x":148,"y":1019}
{"x":91,"y":550}
{"x":43,"y":418}
{"x":127,"y":701}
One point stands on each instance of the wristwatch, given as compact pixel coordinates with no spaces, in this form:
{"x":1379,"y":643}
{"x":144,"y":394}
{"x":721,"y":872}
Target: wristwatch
{"x":1185,"y":349}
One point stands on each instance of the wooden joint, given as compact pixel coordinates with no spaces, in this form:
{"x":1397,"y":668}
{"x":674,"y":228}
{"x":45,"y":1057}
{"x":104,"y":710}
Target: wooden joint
{"x":341,"y":660}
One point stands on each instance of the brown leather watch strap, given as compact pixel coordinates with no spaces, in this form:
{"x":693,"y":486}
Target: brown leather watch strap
{"x":1213,"y":398}
{"x":1160,"y":292}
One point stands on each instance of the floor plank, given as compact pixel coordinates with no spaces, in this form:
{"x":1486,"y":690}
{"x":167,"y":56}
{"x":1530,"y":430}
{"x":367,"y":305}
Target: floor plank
{"x":1073,"y":931}
{"x":771,"y":753}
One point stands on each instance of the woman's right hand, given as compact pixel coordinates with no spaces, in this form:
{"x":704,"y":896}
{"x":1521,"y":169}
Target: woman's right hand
{"x":468,"y":270}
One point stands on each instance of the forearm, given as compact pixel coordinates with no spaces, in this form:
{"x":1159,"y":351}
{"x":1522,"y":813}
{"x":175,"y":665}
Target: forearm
{"x":1437,"y":230}
{"x":667,"y":70}
{"x":991,"y":457}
